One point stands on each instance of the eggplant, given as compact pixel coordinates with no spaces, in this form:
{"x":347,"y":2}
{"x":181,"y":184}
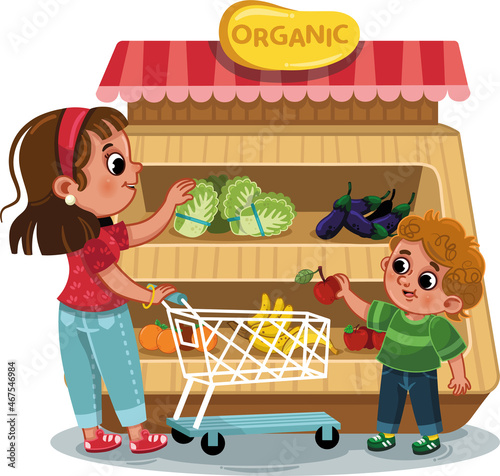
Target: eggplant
{"x":367,"y":204}
{"x":329,"y":226}
{"x":384,"y":208}
{"x":361,"y":226}
{"x":391,"y":221}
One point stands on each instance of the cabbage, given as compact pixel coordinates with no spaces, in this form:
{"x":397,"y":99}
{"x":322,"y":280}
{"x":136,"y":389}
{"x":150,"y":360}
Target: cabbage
{"x":275,"y":212}
{"x":200,"y":211}
{"x":237,"y":194}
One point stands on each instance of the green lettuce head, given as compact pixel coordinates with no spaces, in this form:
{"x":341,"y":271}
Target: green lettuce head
{"x":194,"y":217}
{"x":237,"y":194}
{"x":271,"y":214}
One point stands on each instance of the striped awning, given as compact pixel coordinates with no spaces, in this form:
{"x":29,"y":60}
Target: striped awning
{"x":201,"y":69}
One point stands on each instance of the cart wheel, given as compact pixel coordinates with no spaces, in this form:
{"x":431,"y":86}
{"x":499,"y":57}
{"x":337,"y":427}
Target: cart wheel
{"x":327,"y":444}
{"x":181,"y":437}
{"x":212,"y":450}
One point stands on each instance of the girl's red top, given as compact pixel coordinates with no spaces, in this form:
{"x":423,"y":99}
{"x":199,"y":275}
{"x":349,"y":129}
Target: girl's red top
{"x":84,"y":290}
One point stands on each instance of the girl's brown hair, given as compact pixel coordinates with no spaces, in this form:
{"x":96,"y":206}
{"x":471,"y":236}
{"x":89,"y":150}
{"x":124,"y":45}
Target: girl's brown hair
{"x":60,"y":228}
{"x":445,"y":242}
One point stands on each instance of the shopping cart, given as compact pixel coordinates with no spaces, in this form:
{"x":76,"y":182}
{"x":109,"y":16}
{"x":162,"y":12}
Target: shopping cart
{"x":297,"y":351}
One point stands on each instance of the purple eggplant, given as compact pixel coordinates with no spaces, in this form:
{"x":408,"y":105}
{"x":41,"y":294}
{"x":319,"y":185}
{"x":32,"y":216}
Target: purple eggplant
{"x":391,"y":221}
{"x":329,"y":226}
{"x":361,"y":226}
{"x":383,"y":209}
{"x":367,"y":204}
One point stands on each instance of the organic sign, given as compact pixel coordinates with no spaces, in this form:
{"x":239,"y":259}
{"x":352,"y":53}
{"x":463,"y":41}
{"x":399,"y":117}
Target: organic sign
{"x":264,"y":36}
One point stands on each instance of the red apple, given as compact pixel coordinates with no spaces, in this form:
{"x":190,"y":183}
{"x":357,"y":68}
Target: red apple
{"x":354,"y":338}
{"x":334,"y":284}
{"x":369,"y":343}
{"x":326,"y":290}
{"x":378,"y":339}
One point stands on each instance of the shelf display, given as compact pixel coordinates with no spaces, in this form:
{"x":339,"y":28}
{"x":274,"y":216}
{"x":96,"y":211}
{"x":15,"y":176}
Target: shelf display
{"x":306,"y":138}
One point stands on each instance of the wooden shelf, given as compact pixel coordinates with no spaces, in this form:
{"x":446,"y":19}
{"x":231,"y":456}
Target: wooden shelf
{"x":194,"y":356}
{"x":301,"y":233}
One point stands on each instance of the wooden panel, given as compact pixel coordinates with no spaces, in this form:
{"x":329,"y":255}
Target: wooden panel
{"x":331,"y":151}
{"x":376,"y":111}
{"x":174,"y":151}
{"x":342,"y":112}
{"x":249,"y":263}
{"x":180,"y":110}
{"x":284,"y":112}
{"x":269,"y":147}
{"x":143,"y":264}
{"x":233,"y":148}
{"x":456,"y":181}
{"x":273,"y":112}
{"x":324,"y":110}
{"x":227,"y":265}
{"x":290,"y":111}
{"x":167,"y":112}
{"x":135,"y":112}
{"x":312,"y":146}
{"x":193,"y":148}
{"x":411,"y":111}
{"x":429,"y":112}
{"x":238,"y":111}
{"x":202,"y":111}
{"x":154,"y":148}
{"x":254,"y":111}
{"x":152,"y":112}
{"x":360,"y":110}
{"x":215,"y":148}
{"x":187,"y":259}
{"x":290,"y":149}
{"x":394,"y":111}
{"x":307,"y":110}
{"x":167,"y":264}
{"x":370,"y":148}
{"x":222,"y":111}
{"x":348,"y":149}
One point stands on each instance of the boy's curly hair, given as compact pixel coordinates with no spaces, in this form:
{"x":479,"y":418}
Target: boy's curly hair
{"x":445,"y":242}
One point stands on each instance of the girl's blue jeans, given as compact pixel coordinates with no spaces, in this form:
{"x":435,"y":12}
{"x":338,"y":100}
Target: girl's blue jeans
{"x":95,"y":345}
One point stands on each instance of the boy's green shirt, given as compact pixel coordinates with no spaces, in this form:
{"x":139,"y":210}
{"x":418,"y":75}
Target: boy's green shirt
{"x":413,"y":346}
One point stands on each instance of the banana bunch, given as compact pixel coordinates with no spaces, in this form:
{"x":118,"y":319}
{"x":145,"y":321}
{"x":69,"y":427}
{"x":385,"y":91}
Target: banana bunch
{"x":270,"y":329}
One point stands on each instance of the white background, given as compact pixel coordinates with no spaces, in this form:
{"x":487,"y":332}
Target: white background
{"x":60,"y":63}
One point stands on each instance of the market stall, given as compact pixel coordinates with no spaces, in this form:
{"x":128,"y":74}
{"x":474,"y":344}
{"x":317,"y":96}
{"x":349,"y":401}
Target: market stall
{"x":372,"y":120}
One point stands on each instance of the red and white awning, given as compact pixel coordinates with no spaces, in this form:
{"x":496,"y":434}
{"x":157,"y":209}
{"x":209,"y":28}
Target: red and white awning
{"x":200,"y":69}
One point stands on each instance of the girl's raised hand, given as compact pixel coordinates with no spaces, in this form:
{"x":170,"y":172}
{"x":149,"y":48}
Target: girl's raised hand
{"x":179,"y":191}
{"x":162,"y":291}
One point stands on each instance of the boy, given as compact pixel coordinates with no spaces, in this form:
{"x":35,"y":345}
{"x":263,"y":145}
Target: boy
{"x":434,"y":268}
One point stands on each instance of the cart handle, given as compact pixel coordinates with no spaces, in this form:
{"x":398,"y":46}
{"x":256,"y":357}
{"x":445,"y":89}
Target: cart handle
{"x":176,"y":297}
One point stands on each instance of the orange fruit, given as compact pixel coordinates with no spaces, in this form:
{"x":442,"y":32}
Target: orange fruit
{"x":210,"y":343}
{"x":165,"y":341}
{"x":148,"y":335}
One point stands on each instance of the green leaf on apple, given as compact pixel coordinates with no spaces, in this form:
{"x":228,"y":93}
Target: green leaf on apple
{"x":304,"y":276}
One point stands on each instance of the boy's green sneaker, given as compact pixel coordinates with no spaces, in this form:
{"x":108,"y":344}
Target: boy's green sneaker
{"x":381,"y":443}
{"x":424,"y":446}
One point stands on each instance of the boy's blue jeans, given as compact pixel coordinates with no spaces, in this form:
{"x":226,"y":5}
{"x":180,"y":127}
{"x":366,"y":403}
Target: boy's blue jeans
{"x":95,"y":345}
{"x":424,"y":397}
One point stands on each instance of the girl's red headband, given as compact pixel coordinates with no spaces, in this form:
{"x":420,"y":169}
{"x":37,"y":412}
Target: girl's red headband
{"x":69,"y":128}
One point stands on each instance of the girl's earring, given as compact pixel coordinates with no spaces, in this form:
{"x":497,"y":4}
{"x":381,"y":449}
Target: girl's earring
{"x":70,"y":200}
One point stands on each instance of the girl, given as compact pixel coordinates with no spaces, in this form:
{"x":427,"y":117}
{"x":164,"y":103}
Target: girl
{"x":77,"y":170}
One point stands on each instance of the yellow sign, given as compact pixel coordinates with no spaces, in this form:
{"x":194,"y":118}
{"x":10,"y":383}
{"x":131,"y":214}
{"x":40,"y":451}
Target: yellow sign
{"x":264,"y":36}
